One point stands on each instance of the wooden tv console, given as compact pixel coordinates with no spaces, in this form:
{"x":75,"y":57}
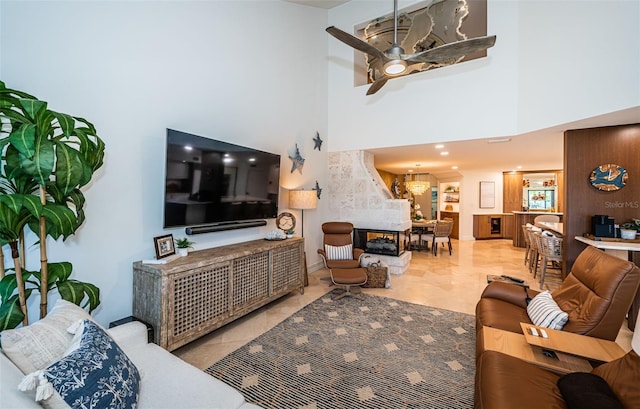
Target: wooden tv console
{"x":194,"y":295}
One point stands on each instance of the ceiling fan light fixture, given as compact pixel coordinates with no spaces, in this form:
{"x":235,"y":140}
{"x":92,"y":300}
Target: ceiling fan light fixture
{"x":395,"y":67}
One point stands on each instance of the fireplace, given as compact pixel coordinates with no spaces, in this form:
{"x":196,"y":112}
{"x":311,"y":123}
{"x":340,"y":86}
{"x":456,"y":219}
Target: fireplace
{"x":385,"y":242}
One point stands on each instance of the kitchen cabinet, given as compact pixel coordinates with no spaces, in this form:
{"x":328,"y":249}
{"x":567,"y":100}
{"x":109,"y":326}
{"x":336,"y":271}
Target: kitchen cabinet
{"x":456,"y":222}
{"x":487,"y":226}
{"x":512,"y":192}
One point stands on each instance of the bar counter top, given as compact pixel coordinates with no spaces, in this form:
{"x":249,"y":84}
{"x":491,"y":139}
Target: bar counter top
{"x":521,"y":212}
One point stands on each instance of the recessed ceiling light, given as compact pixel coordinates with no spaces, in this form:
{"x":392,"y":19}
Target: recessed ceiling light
{"x":439,"y":146}
{"x":252,"y":159}
{"x":410,"y":170}
{"x":188,"y":148}
{"x":518,"y":167}
{"x":454,"y":167}
{"x":444,"y":153}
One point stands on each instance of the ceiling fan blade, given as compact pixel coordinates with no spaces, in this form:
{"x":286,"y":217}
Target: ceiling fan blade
{"x":451,"y":50}
{"x":377,"y":84}
{"x":355,"y":42}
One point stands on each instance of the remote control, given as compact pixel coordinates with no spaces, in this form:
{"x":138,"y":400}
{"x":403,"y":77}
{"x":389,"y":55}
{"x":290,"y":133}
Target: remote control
{"x":534,"y":332}
{"x":544,"y":333}
{"x":517,"y":280}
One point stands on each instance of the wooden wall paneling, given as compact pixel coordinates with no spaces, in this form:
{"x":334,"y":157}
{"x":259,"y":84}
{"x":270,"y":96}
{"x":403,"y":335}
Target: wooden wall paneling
{"x":560,"y":191}
{"x":584,"y":150}
{"x":388,"y":177}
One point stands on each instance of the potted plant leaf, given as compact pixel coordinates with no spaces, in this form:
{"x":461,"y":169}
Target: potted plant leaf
{"x":183,"y":245}
{"x":47,"y":156}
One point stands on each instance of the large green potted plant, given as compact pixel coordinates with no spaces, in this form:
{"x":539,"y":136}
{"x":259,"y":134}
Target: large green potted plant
{"x":46,"y":157}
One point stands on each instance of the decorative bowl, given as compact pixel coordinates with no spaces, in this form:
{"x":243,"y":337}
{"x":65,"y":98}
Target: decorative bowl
{"x":627,"y":234}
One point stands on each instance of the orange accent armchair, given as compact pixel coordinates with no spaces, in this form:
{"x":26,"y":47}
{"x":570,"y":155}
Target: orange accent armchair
{"x":339,"y":234}
{"x":342,"y":260}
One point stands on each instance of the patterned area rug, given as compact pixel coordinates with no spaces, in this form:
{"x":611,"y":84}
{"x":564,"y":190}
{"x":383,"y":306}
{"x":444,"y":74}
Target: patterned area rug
{"x":376,"y":353}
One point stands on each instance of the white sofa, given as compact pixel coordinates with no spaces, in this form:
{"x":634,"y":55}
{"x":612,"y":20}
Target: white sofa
{"x":167,"y":381}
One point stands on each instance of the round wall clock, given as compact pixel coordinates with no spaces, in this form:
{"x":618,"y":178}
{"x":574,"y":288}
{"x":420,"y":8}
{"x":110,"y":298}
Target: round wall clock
{"x":286,"y":221}
{"x":608,"y":177}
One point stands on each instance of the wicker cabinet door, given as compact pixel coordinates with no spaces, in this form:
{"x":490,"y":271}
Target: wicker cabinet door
{"x":198,"y":299}
{"x":286,"y":269}
{"x":250,"y":280}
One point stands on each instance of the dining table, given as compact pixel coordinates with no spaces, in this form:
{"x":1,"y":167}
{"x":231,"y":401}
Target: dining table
{"x":420,"y":227}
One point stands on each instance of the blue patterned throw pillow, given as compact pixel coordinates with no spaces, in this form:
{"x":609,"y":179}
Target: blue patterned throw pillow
{"x":94,"y":373}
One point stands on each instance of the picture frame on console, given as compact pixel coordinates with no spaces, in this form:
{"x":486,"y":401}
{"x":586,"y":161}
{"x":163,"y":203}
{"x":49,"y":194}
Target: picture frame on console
{"x":164,"y":246}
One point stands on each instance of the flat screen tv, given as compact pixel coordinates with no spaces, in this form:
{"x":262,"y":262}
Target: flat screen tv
{"x":208,"y":181}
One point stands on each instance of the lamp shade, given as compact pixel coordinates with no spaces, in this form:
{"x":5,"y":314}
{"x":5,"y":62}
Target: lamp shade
{"x":303,"y":199}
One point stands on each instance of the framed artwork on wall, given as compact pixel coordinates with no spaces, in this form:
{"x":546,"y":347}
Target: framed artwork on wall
{"x":487,"y":195}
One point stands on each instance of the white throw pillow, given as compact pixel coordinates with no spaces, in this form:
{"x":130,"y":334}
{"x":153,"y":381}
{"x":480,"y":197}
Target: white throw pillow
{"x":44,"y":342}
{"x":339,"y":252}
{"x":544,"y":312}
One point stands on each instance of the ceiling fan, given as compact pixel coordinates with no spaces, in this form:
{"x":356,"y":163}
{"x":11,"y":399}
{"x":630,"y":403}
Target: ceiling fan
{"x":398,"y":64}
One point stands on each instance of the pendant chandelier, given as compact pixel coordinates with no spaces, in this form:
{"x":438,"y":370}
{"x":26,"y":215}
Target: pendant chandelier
{"x":416,"y":186}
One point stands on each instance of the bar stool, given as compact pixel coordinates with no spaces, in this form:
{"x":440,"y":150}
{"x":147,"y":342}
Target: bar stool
{"x":550,"y":248}
{"x":527,"y":244}
{"x":534,"y":255}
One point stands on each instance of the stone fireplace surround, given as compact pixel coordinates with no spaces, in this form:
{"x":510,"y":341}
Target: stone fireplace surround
{"x":357,"y":194}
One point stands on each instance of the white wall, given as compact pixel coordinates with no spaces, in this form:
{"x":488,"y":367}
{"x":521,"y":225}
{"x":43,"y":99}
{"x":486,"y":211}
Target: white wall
{"x":464,"y":101}
{"x":582,"y":61}
{"x":257,"y":73}
{"x":553,"y":62}
{"x":470,"y":202}
{"x":251,"y":73}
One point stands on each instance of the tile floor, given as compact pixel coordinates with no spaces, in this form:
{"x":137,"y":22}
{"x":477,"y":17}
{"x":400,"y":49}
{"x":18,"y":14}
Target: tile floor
{"x":451,"y":282}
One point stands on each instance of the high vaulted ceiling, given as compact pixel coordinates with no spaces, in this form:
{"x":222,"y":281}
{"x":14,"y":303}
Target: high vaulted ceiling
{"x":539,"y":150}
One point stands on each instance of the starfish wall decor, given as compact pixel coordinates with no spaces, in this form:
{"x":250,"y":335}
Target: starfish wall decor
{"x":317,"y":189}
{"x":297,"y":159}
{"x":317,"y":141}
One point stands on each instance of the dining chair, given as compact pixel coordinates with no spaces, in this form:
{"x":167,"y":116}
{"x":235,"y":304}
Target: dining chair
{"x":547,"y":218}
{"x":419,"y":239}
{"x":441,"y":234}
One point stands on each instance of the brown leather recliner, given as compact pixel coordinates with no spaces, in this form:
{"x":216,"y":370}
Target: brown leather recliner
{"x":596,"y":294}
{"x":503,"y":381}
{"x":339,"y":234}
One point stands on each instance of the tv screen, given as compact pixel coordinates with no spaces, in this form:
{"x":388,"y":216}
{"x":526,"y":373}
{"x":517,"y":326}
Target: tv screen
{"x":209,"y":181}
